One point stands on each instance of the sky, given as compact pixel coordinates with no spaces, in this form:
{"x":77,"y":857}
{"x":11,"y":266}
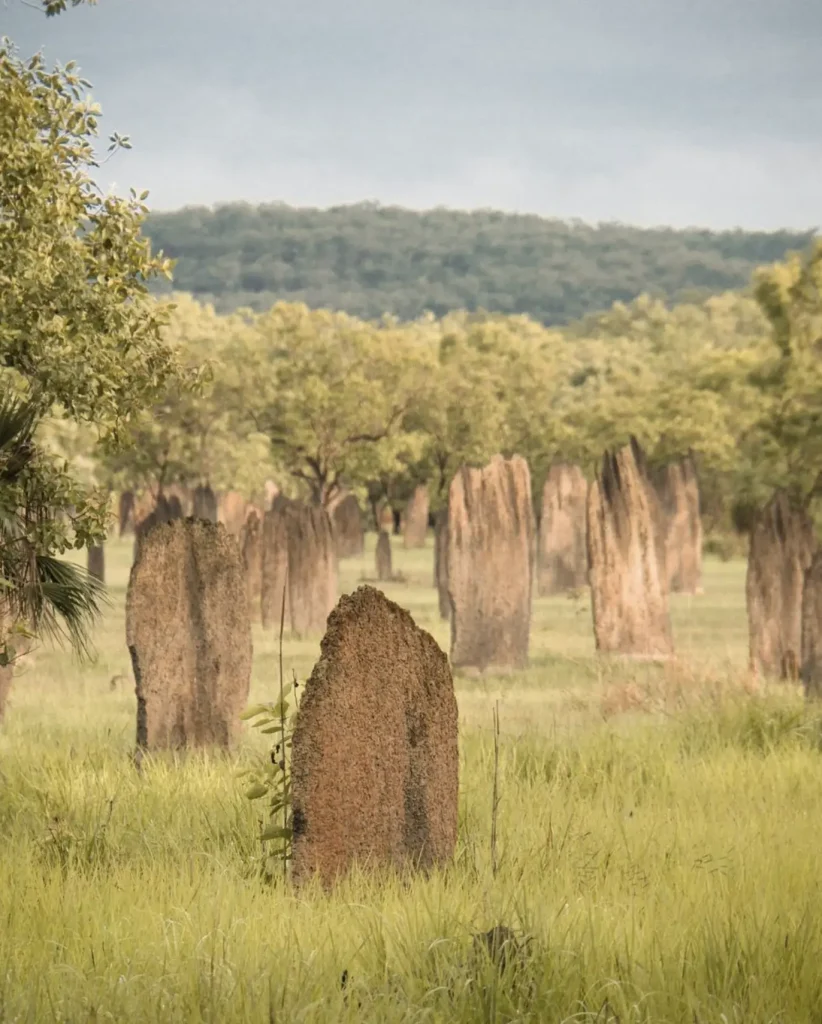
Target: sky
{"x":648,"y":112}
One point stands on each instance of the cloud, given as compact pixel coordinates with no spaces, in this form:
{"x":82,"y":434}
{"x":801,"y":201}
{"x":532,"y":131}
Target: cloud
{"x":687,"y":111}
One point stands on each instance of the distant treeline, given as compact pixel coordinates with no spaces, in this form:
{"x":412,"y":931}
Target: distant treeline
{"x":369,"y":260}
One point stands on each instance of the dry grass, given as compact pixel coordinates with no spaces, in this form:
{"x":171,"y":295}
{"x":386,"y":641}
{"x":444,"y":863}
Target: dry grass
{"x":655,"y":837}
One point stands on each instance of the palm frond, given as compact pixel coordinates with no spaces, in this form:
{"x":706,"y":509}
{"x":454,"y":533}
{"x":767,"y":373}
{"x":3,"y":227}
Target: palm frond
{"x":47,"y":595}
{"x":18,"y":419}
{"x":67,"y":601}
{"x":54,"y":598}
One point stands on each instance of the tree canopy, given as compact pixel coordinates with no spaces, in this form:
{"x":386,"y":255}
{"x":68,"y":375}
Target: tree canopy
{"x":322,"y":401}
{"x":80,"y":336}
{"x":368,"y":260}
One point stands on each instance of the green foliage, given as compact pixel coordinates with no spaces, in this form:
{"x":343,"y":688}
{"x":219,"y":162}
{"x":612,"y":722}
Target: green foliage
{"x":271,"y":780}
{"x":54,"y":7}
{"x":76,"y":320}
{"x":330,"y":401}
{"x":40,"y":513}
{"x":369,"y":259}
{"x":492,"y":391}
{"x":330,"y":392}
{"x":191,"y":434}
{"x":80,"y":336}
{"x":787,"y":434}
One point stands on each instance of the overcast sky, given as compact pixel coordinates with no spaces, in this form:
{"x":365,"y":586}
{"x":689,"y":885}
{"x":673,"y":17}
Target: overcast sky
{"x":675,"y":112}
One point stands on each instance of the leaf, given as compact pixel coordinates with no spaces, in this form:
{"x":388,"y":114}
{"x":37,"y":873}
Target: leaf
{"x":276,"y":832}
{"x":256,"y":791}
{"x":254,"y":711}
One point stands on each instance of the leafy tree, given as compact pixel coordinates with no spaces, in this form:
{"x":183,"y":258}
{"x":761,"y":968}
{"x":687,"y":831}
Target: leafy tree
{"x":53,"y":7}
{"x":80,"y":336}
{"x":677,"y":379}
{"x":190,"y":435}
{"x":76,"y":321}
{"x":788,"y":432}
{"x":491,"y":393}
{"x":369,"y":259}
{"x":57,"y":597}
{"x":330,"y":392}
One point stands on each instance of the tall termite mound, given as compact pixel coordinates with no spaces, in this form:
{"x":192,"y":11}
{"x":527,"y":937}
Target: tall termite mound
{"x":415,"y":520}
{"x":490,"y":558}
{"x":204,"y":503}
{"x":299,"y":557}
{"x":188,"y":632}
{"x":441,"y":563}
{"x":251,"y":542}
{"x":347,"y":522}
{"x":562,"y":555}
{"x":375,"y":766}
{"x":811,"y":670}
{"x":626,"y":557}
{"x":678,"y":489}
{"x":782,"y":546}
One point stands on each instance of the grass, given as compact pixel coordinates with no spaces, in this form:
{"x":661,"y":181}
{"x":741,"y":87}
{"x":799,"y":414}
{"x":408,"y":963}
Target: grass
{"x":657,"y":838}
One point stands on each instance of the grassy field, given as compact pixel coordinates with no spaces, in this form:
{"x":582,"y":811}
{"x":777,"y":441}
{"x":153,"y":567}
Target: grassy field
{"x":657,"y":838}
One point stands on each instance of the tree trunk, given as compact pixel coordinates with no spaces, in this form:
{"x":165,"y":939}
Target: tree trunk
{"x":97,"y":562}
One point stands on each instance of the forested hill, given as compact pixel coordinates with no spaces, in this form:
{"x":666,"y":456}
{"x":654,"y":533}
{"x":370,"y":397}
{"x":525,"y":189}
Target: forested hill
{"x":369,"y":259}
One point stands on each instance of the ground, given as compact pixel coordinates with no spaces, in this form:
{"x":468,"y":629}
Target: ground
{"x":657,"y":839}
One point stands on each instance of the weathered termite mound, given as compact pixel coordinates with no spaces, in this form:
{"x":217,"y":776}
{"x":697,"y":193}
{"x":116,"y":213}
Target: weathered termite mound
{"x":204,"y":503}
{"x":179,"y":500}
{"x":164,"y":510}
{"x":562,"y":555}
{"x":346,"y":520}
{"x":678,"y":488}
{"x":252,"y":549}
{"x":125,"y":513}
{"x":490,"y":560}
{"x":144,"y":505}
{"x":274,"y":562}
{"x":188,"y":632}
{"x":811,"y":670}
{"x":415,"y":520}
{"x":96,"y":562}
{"x":626,"y":558}
{"x":782,"y":546}
{"x":233,"y":509}
{"x":298,"y":556}
{"x":375,"y":765}
{"x":441,"y":563}
{"x":384,"y":514}
{"x":382,"y":556}
{"x":312,"y":569}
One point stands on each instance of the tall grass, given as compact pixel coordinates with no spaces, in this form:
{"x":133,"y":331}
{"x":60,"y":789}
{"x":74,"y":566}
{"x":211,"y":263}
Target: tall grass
{"x":659,"y":851}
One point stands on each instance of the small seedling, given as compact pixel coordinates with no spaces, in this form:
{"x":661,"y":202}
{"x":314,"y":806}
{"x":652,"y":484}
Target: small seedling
{"x":272,"y":780}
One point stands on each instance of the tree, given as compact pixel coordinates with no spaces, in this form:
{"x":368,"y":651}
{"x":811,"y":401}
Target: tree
{"x":490,"y":394}
{"x":368,"y":259}
{"x":57,"y":597}
{"x":80,"y":336}
{"x":53,"y":7}
{"x":190,"y":435}
{"x":330,"y":392}
{"x":676,"y":379}
{"x":788,"y":432}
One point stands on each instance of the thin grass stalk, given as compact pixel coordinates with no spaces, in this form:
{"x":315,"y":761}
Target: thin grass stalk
{"x":282,"y":727}
{"x":495,"y":797}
